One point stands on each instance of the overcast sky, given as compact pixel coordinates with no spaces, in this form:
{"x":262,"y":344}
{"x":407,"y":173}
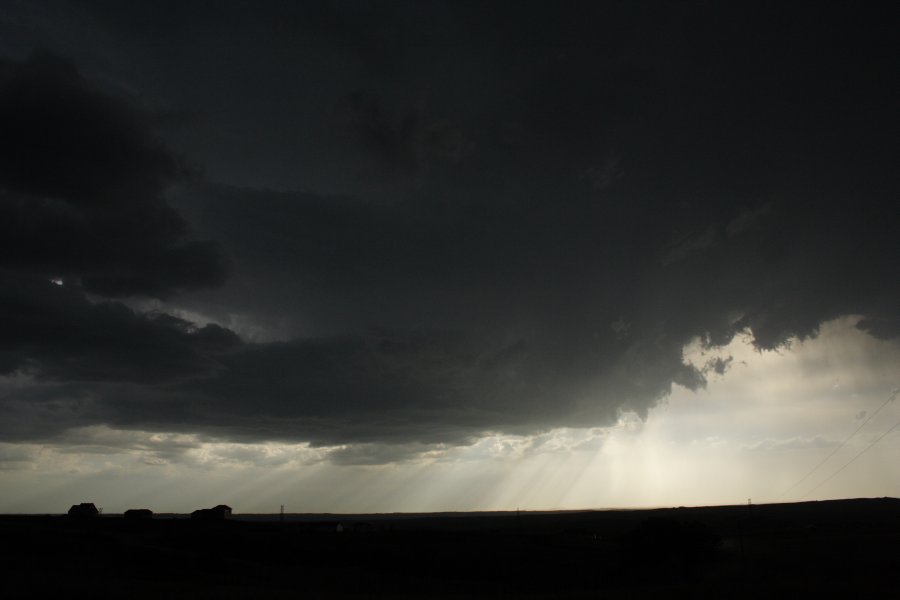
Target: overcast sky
{"x":360,"y":256}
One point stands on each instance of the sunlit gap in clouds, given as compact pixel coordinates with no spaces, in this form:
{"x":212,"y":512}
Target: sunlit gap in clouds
{"x":755,"y":430}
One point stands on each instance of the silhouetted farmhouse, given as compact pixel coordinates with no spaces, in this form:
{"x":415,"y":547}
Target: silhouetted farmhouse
{"x":138,"y":513}
{"x":83,"y":510}
{"x":219,"y":512}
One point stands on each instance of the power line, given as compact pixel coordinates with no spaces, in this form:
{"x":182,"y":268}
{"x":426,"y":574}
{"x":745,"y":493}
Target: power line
{"x":841,"y":445}
{"x":864,"y":450}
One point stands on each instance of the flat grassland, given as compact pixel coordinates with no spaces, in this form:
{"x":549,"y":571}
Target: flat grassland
{"x":829,"y":549}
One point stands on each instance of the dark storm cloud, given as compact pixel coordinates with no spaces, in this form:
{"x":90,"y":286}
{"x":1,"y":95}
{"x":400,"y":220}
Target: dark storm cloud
{"x":631,"y":181}
{"x":69,"y":362}
{"x":421,"y":390}
{"x":399,"y":144}
{"x":57,"y":334}
{"x":82,"y":211}
{"x":81,"y":183}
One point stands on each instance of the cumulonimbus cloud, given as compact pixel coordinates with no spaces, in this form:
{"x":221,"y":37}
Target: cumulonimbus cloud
{"x":509,"y":295}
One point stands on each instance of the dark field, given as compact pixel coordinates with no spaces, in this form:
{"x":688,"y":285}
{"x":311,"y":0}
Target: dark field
{"x":835,"y":549}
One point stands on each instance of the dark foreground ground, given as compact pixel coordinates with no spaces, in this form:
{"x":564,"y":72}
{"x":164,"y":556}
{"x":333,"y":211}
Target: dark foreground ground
{"x":836,"y":549}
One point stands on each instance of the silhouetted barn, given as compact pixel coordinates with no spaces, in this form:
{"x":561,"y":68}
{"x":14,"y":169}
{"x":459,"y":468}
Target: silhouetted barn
{"x":216,"y":513}
{"x":138,"y":513}
{"x":85,"y":509}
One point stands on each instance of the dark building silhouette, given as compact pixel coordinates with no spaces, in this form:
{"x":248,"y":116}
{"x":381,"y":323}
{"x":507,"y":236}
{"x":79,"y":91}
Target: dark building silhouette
{"x":138,"y":513}
{"x":219,"y":512}
{"x":84,"y":510}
